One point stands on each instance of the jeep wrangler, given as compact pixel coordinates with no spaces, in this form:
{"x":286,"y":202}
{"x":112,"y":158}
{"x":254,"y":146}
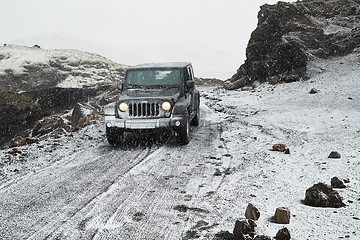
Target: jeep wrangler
{"x":155,"y":97}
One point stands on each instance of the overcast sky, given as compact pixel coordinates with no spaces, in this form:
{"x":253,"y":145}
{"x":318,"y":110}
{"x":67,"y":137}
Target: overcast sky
{"x":224,"y":26}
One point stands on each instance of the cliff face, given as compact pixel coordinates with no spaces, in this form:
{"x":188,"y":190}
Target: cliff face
{"x":289,"y":35}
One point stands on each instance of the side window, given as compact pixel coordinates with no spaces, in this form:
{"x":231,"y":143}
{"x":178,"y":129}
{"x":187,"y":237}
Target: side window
{"x":190,"y":73}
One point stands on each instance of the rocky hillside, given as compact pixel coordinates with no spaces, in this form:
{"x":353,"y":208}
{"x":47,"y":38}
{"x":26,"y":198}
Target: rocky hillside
{"x":35,"y":83}
{"x":289,"y":36}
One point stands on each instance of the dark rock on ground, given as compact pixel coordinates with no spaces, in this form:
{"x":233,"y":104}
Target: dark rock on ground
{"x":288,"y":35}
{"x":283,"y":234}
{"x":322,"y":195}
{"x":334,"y":154}
{"x":191,"y":235}
{"x":337,"y":183}
{"x":217,"y":172}
{"x":282,"y":215}
{"x":82,"y":115}
{"x":48,"y":125}
{"x":252,"y":212}
{"x":244,"y":229}
{"x":313,"y":91}
{"x":279,"y":147}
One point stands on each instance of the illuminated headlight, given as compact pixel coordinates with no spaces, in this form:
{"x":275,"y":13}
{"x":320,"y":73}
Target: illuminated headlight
{"x":166,"y":106}
{"x":123,"y":107}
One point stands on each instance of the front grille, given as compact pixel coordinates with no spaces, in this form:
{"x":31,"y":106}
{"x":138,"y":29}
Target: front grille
{"x":144,"y":109}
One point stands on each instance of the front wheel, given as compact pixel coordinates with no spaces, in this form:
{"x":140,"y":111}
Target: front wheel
{"x":196,"y":120}
{"x":184,"y":132}
{"x":114,"y":136}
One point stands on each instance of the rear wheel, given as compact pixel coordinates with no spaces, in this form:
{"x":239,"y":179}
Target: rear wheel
{"x":184,"y":132}
{"x":114,"y":136}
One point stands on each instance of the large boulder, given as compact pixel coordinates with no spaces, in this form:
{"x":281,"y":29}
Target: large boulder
{"x":322,"y":195}
{"x":288,"y":35}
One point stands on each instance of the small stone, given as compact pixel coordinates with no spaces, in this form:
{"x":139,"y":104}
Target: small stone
{"x":283,"y":234}
{"x":252,"y":212}
{"x":337,"y":183}
{"x":287,"y":151}
{"x":279,"y":147}
{"x":334,"y":154}
{"x":282,"y":215}
{"x":217,"y":172}
{"x":313,"y":91}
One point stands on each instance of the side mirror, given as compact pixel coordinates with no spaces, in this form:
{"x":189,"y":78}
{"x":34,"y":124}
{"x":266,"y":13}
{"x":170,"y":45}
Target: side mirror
{"x":190,"y":85}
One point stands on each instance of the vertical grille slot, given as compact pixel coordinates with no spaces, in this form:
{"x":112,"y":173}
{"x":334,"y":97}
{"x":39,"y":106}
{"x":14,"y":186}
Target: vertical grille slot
{"x":144,"y":109}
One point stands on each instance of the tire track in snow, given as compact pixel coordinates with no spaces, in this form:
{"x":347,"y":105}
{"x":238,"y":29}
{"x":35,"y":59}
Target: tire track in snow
{"x":58,"y":225}
{"x":70,"y":182}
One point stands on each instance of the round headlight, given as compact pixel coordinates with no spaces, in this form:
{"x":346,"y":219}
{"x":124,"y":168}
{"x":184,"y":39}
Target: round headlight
{"x":166,"y":106}
{"x":123,"y":107}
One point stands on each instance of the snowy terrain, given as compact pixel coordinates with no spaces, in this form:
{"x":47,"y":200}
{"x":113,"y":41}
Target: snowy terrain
{"x":69,"y":65}
{"x":76,"y":186}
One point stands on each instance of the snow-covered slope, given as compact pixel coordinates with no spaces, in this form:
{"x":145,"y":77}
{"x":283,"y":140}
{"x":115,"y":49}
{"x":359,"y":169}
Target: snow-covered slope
{"x":26,"y":68}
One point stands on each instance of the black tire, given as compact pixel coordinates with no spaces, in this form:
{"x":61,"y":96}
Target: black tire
{"x":183,"y":134}
{"x":196,"y":120}
{"x":114,"y":136}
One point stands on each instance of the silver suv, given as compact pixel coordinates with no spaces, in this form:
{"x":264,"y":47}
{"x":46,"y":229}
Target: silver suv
{"x":155,"y":97}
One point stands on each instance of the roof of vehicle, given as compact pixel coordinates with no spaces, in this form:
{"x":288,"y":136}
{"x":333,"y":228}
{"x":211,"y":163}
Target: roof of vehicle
{"x":161,"y":65}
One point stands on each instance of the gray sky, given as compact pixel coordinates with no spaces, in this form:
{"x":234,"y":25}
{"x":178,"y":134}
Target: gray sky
{"x":210,"y":27}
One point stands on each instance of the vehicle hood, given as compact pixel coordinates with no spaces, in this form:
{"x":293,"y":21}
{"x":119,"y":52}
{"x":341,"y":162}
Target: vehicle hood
{"x":150,"y":93}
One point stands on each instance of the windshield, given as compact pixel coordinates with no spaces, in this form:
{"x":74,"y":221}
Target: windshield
{"x":149,"y":78}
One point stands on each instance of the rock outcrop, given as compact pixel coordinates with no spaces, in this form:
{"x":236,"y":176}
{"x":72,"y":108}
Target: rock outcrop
{"x":289,"y":35}
{"x":36,"y":83}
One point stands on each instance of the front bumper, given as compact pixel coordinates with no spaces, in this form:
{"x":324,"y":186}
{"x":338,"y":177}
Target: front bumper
{"x":133,"y":124}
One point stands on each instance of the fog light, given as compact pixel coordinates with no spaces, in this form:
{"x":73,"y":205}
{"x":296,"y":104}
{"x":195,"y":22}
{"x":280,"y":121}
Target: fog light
{"x":177,"y":123}
{"x":108,"y":124}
